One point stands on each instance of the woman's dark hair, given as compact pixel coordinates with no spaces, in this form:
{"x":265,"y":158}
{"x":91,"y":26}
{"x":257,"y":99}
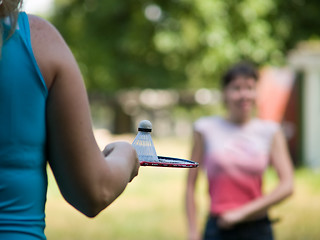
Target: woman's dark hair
{"x":242,"y":69}
{"x":9,"y":8}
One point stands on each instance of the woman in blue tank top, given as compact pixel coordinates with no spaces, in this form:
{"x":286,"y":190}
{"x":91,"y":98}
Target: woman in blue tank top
{"x":45,"y":116}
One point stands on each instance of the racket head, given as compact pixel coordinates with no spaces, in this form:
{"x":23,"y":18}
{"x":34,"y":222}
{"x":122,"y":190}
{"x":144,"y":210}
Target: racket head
{"x":170,"y":162}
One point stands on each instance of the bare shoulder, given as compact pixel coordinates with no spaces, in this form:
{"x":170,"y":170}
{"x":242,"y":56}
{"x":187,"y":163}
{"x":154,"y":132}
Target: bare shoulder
{"x":41,"y":29}
{"x":49,"y":47}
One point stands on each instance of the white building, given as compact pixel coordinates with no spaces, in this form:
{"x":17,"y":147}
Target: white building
{"x":305,"y":59}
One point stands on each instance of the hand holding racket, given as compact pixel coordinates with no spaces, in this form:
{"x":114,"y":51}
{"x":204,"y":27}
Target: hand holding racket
{"x":147,"y":153}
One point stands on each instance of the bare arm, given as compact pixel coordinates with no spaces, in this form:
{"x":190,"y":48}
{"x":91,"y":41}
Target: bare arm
{"x":281,"y":161}
{"x":197,"y":154}
{"x":88,"y":179}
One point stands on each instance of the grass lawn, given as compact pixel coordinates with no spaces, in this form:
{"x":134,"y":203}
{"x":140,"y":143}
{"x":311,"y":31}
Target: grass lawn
{"x":152,"y":206}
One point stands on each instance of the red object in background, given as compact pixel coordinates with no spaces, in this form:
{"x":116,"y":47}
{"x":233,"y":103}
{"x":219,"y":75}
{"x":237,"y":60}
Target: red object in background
{"x":279,"y":100}
{"x":274,"y":88}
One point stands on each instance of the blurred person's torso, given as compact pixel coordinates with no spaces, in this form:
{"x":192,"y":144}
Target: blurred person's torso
{"x":235,"y":158}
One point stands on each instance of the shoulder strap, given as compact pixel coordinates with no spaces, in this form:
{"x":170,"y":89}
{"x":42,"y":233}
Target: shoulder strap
{"x":24,"y":30}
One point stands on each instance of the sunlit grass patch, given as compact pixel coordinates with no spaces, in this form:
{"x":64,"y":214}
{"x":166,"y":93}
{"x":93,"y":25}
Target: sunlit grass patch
{"x":152,"y":206}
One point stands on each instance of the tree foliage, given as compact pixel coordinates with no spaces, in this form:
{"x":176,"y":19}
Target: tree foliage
{"x":178,"y":43}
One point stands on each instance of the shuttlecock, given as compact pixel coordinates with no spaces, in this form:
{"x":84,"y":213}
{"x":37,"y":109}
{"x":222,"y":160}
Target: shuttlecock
{"x":143,"y":143}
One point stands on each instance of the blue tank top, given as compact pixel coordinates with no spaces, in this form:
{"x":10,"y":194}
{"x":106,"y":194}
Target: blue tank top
{"x":23,"y":179}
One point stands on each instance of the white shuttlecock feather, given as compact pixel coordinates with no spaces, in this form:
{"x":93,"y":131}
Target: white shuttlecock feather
{"x":143,"y":142}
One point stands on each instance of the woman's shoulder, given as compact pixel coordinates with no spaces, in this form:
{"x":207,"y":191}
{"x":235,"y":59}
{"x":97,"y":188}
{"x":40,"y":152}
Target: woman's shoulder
{"x":48,"y":46}
{"x":266,"y":125}
{"x":38,"y":24}
{"x":43,"y":33}
{"x":206,"y":122}
{"x":265,"y":122}
{"x":208,"y":119}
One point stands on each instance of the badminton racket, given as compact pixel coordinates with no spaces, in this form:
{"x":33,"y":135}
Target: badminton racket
{"x":170,"y":162}
{"x":147,"y":153}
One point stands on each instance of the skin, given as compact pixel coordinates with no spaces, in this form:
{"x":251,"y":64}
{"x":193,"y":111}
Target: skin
{"x":89,"y":179}
{"x":239,"y":98}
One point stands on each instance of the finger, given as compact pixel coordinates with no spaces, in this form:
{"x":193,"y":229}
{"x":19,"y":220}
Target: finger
{"x":108,"y":149}
{"x":136,"y":168}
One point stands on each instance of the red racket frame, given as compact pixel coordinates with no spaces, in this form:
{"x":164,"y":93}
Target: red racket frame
{"x":180,"y":163}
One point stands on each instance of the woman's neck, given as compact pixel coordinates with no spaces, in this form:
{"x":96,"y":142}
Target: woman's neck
{"x":238,"y":120}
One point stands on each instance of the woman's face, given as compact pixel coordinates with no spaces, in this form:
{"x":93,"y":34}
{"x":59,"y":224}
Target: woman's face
{"x":240,"y":97}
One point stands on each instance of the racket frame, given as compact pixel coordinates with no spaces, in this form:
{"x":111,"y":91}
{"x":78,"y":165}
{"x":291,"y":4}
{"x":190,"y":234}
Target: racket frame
{"x":181,"y":163}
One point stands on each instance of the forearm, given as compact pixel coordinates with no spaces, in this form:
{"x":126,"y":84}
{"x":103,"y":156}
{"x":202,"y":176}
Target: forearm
{"x":121,"y":166}
{"x":118,"y":167}
{"x":256,"y":208}
{"x":197,"y":153}
{"x":260,"y":206}
{"x":280,"y":159}
{"x":191,"y":212}
{"x":95,"y":181}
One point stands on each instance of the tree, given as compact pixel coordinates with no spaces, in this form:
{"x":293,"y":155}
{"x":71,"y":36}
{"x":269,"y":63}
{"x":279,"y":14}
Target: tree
{"x":178,"y":43}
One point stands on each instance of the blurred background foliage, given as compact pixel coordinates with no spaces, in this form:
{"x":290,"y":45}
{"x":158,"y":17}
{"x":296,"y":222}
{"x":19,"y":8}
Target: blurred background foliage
{"x":130,"y":51}
{"x":179,"y":43}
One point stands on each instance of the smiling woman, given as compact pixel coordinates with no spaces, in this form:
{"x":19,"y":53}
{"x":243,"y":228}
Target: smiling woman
{"x":37,"y":7}
{"x":235,"y":150}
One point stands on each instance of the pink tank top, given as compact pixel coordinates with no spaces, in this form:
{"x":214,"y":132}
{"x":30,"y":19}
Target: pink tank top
{"x":235,"y":158}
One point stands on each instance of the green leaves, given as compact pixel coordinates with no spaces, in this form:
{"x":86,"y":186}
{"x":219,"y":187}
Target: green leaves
{"x":178,"y":43}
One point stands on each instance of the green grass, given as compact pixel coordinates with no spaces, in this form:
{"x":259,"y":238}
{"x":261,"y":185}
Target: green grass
{"x":152,"y":206}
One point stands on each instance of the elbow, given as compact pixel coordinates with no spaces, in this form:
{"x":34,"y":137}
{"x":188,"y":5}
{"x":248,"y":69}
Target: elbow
{"x":289,"y":190}
{"x":100,"y":202}
{"x":91,"y":208}
{"x":91,"y":213}
{"x":95,"y":202}
{"x":95,"y":206}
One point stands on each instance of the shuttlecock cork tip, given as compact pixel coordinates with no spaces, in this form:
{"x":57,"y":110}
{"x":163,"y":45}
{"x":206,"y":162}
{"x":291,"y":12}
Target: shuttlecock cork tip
{"x":145,"y":126}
